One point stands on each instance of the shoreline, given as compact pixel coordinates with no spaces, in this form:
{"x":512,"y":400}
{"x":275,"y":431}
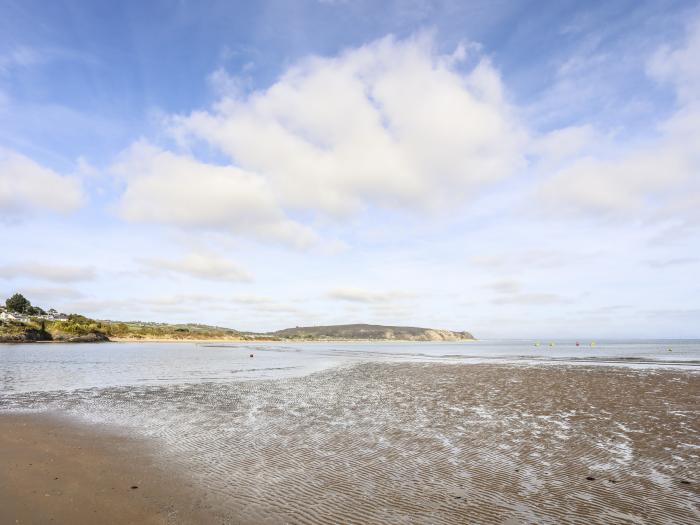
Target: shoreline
{"x":371,"y":443}
{"x":165,"y":340}
{"x":168,"y":340}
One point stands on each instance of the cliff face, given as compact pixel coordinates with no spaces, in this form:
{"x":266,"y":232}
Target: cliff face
{"x":371,"y":332}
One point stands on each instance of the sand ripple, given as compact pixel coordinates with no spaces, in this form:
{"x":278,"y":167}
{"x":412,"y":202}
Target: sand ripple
{"x":425,"y":443}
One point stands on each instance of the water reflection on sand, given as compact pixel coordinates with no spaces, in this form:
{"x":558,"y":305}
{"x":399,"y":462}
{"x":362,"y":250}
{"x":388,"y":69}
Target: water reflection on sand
{"x":417,"y":438}
{"x":66,"y":367}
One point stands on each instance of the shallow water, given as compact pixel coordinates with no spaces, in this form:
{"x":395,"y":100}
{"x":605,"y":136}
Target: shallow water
{"x":395,"y":432}
{"x":30,"y":367}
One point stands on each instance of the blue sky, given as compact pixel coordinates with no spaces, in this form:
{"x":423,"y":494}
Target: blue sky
{"x":509,"y":168}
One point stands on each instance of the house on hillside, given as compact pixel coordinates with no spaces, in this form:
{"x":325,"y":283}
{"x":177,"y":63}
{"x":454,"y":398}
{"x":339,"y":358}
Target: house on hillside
{"x":6,"y":315}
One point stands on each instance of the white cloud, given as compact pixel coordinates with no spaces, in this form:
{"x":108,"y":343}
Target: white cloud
{"x":203,"y":266}
{"x":134,"y":306}
{"x":538,"y":258}
{"x":356,"y":295}
{"x":25,"y":186}
{"x":659,"y":175}
{"x":509,"y":291}
{"x":391,"y":124}
{"x":49,"y":293}
{"x":47,"y":272}
{"x":628,"y":184}
{"x":19,"y":57}
{"x":681,"y":66}
{"x":529,"y":299}
{"x":178,"y":190}
{"x":505,"y":286}
{"x":564,"y":143}
{"x":679,"y":261}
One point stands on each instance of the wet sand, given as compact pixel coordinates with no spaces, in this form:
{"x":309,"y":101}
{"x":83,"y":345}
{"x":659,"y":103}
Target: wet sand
{"x":397,"y":443}
{"x":57,"y":470}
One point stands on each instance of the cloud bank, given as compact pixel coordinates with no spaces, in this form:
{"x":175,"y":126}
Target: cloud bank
{"x":658,"y":175}
{"x":26,"y":186}
{"x":178,"y":190}
{"x":203,"y":266}
{"x":47,"y":272}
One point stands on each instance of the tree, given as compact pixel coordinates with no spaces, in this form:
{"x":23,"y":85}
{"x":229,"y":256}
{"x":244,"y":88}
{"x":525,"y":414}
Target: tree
{"x":18,"y":303}
{"x":35,"y":310}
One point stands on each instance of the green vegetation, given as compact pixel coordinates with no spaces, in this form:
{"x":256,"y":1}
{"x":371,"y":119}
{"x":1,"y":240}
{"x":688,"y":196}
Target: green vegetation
{"x":141,"y":330}
{"x":21,"y":305}
{"x":18,"y":332}
{"x":33,"y":324}
{"x":18,"y":303}
{"x":78,"y":325}
{"x":370,"y":332}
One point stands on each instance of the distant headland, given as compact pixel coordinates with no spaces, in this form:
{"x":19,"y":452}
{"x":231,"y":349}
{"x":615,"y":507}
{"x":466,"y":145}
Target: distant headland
{"x":21,"y":322}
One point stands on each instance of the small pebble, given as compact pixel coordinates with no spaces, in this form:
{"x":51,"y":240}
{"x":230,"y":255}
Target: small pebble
{"x":133,"y":487}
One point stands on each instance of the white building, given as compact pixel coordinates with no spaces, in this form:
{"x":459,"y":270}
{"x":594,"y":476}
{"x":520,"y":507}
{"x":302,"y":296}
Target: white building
{"x":12,"y":316}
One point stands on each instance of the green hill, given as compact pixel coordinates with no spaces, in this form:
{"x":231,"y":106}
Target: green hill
{"x":371,"y":332}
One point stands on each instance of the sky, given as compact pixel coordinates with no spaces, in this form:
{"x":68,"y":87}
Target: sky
{"x":511,"y":168}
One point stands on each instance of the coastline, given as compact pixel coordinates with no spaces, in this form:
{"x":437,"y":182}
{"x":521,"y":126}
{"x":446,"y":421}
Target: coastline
{"x":371,"y":443}
{"x":278,"y":340}
{"x":234,"y":340}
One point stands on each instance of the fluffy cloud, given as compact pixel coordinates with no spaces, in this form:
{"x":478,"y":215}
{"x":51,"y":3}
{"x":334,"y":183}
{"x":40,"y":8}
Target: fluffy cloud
{"x":166,"y":188}
{"x":47,"y":272}
{"x":391,"y":124}
{"x":203,"y":266}
{"x":680,"y":66}
{"x":658,"y":175}
{"x":26,"y":186}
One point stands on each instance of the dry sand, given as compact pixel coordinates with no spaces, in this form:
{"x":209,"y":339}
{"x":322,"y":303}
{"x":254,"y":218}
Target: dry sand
{"x":373,"y":443}
{"x":54,"y":470}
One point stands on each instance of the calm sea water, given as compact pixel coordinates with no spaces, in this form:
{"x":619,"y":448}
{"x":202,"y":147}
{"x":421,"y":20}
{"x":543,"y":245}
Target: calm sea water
{"x":47,"y":367}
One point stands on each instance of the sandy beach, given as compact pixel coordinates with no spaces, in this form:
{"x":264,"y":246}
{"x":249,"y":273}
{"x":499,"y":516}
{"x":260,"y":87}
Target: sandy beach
{"x":369,"y":443}
{"x":58,"y":470}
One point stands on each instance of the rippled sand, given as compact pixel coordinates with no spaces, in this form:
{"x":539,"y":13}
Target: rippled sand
{"x":425,"y":443}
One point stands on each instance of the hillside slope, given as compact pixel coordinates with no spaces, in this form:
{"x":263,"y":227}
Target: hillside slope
{"x":371,"y":332}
